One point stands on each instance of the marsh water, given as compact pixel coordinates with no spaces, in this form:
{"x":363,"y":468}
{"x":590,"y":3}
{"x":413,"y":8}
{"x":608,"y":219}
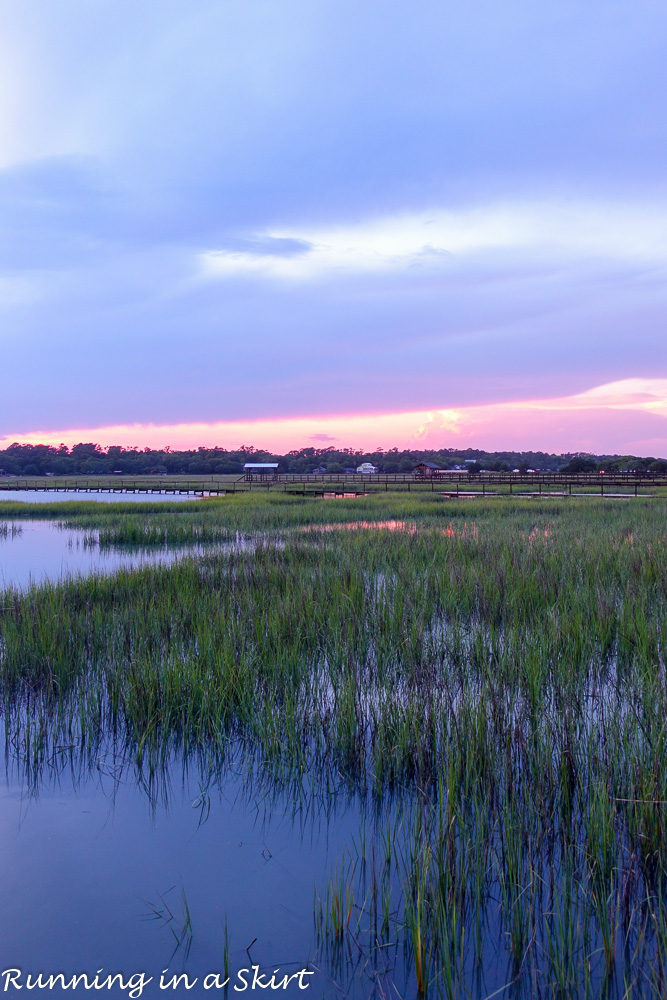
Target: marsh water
{"x":101,"y":871}
{"x":113,"y":867}
{"x":350,"y":804}
{"x":76,"y":496}
{"x":105,"y":868}
{"x":35,"y":551}
{"x":108,"y":868}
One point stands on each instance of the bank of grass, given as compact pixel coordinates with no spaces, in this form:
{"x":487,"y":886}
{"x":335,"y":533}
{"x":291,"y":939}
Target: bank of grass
{"x":218,"y":518}
{"x":493,"y":680}
{"x":80,"y":509}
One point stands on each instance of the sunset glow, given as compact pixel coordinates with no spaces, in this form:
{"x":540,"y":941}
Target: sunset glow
{"x":290,"y":224}
{"x":627,"y":417}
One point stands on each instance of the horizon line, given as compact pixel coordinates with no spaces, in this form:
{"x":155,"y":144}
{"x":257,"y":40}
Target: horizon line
{"x":623,"y":417}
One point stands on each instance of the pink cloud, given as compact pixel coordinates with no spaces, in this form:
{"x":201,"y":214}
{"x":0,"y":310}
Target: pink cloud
{"x":629,"y":416}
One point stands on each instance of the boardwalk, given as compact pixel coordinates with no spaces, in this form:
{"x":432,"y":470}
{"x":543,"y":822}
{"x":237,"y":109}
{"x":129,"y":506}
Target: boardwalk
{"x":352,"y":484}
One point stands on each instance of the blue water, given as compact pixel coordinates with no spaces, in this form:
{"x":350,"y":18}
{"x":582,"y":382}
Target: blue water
{"x":90,"y":859}
{"x":106,"y":867}
{"x":62,"y":496}
{"x":43,"y":551}
{"x":102,"y":863}
{"x":101,"y":866}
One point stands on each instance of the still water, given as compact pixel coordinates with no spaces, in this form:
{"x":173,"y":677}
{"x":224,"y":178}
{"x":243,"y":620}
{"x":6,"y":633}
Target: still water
{"x":63,"y":496}
{"x":114,"y":868}
{"x":35,"y":551}
{"x":98,"y":875}
{"x":105,"y":868}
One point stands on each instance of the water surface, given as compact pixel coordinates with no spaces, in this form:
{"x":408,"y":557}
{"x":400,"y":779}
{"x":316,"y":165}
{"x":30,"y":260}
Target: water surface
{"x":99,"y":874}
{"x":63,"y":496}
{"x":40,"y":551}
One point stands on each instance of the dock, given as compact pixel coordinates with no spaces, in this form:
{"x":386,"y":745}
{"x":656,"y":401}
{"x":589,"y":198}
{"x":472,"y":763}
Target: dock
{"x":448,"y":484}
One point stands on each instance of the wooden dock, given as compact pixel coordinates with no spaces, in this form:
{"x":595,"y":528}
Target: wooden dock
{"x":450,"y":484}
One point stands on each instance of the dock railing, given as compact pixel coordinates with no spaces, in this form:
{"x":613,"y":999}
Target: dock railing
{"x":319,"y":484}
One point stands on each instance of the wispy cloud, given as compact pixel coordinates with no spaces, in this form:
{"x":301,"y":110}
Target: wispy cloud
{"x":317,"y":217}
{"x":607,"y":230}
{"x":629,"y":416}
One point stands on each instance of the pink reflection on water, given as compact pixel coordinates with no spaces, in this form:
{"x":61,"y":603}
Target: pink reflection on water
{"x":409,"y":527}
{"x":539,"y":533}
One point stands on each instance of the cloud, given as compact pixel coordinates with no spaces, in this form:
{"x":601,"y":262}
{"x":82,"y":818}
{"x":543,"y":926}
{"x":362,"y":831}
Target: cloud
{"x":648,"y":394}
{"x":625,"y":417}
{"x":441,"y":420}
{"x":548,"y":230}
{"x":140,"y":338}
{"x":316,"y":217}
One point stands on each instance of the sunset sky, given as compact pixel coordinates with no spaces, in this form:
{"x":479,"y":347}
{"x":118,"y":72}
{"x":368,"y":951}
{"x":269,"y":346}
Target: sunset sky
{"x":307,"y":222}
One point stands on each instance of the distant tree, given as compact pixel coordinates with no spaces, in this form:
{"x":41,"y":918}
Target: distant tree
{"x":61,"y":466}
{"x":643,"y":464}
{"x":579,"y":463}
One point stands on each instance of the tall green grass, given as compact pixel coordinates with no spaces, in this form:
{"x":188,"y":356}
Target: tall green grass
{"x":493,"y":681}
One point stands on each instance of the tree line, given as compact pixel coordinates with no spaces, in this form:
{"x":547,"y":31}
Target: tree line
{"x":89,"y":459}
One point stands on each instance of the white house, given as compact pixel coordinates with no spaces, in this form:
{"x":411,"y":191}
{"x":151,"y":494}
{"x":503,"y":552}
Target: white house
{"x":367,"y":467}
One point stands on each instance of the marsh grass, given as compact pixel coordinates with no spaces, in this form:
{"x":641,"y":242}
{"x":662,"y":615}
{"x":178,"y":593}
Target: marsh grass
{"x":178,"y":923}
{"x":493,"y":682}
{"x":9,"y":530}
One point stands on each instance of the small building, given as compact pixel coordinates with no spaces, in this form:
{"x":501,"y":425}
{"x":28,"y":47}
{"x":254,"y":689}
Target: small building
{"x":320,"y":471}
{"x":260,"y":470}
{"x":367,"y":468}
{"x":427,"y":469}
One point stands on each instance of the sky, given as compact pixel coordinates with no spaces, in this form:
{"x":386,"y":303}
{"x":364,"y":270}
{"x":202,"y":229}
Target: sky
{"x":323,"y":222}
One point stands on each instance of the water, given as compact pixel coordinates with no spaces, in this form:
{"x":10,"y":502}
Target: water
{"x":108,"y":868}
{"x":111,"y":868}
{"x":103,"y":868}
{"x":63,"y":496}
{"x":43,"y":551}
{"x":94,"y":867}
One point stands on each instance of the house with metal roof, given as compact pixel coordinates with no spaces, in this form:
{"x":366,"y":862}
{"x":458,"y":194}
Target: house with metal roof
{"x":427,"y":469}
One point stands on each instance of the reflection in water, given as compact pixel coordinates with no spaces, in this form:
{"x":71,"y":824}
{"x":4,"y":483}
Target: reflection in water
{"x":100,"y":841}
{"x":41,"y":551}
{"x":408,"y":526}
{"x":64,"y":496}
{"x":132,"y":863}
{"x":401,"y":792}
{"x":404,"y":527}
{"x":9,"y":530}
{"x":35,"y":551}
